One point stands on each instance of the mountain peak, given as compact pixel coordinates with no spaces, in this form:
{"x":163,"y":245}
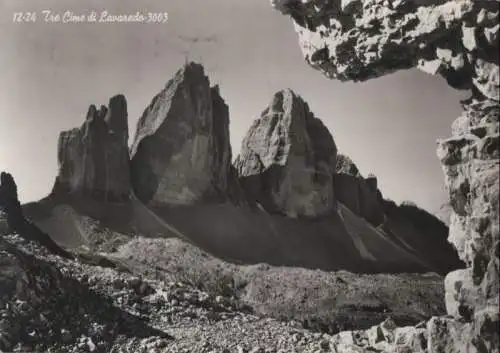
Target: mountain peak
{"x":291,"y":155}
{"x":93,"y":159}
{"x":188,"y":122}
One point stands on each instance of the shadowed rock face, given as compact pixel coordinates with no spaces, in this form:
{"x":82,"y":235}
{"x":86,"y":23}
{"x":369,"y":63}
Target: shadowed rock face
{"x":360,"y":195}
{"x":10,"y":204}
{"x":361,"y":40}
{"x":93,"y":159}
{"x":287,"y":160}
{"x":181,"y":152}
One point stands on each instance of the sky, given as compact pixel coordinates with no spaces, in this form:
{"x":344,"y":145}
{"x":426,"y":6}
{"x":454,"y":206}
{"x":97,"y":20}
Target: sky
{"x":52,"y":72}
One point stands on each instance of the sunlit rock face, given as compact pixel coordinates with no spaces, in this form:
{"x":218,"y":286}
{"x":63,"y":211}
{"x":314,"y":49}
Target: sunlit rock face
{"x":470,"y":161}
{"x":287,"y":160}
{"x":181,"y":152}
{"x":93,"y":159}
{"x":458,"y":40}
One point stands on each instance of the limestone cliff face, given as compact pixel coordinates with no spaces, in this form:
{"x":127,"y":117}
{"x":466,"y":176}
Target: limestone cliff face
{"x":361,"y":40}
{"x":93,"y":159}
{"x":181,"y":152}
{"x":287,"y":160}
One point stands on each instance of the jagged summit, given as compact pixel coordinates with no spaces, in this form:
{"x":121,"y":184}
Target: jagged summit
{"x":287,"y":159}
{"x":181,"y":152}
{"x":93,"y":159}
{"x":191,"y":66}
{"x":117,"y":116}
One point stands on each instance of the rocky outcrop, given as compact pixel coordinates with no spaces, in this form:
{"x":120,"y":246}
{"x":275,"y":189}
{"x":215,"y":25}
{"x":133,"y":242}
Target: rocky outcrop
{"x":181,"y":152}
{"x":360,"y":195}
{"x":93,"y":159}
{"x":287,"y":160}
{"x":360,"y":40}
{"x":16,"y":222}
{"x":471,"y":164}
{"x":386,"y":337}
{"x":9,"y":202}
{"x":440,"y":334}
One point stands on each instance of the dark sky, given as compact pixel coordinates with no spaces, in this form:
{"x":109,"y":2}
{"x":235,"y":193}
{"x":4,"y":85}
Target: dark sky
{"x":51,"y":73}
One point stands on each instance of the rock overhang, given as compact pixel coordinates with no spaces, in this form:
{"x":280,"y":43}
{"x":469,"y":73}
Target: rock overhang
{"x":361,"y":40}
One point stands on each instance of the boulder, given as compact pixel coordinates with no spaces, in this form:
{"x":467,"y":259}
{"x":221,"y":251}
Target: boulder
{"x":386,"y":337}
{"x":444,"y":213}
{"x":93,"y":159}
{"x":446,"y":334}
{"x":461,"y":294}
{"x":287,"y":161}
{"x":181,"y":154}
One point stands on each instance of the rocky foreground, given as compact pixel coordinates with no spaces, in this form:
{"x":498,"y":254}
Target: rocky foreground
{"x":53,"y":304}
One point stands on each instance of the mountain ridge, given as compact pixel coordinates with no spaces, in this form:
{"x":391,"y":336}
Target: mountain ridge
{"x":282,"y":205}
